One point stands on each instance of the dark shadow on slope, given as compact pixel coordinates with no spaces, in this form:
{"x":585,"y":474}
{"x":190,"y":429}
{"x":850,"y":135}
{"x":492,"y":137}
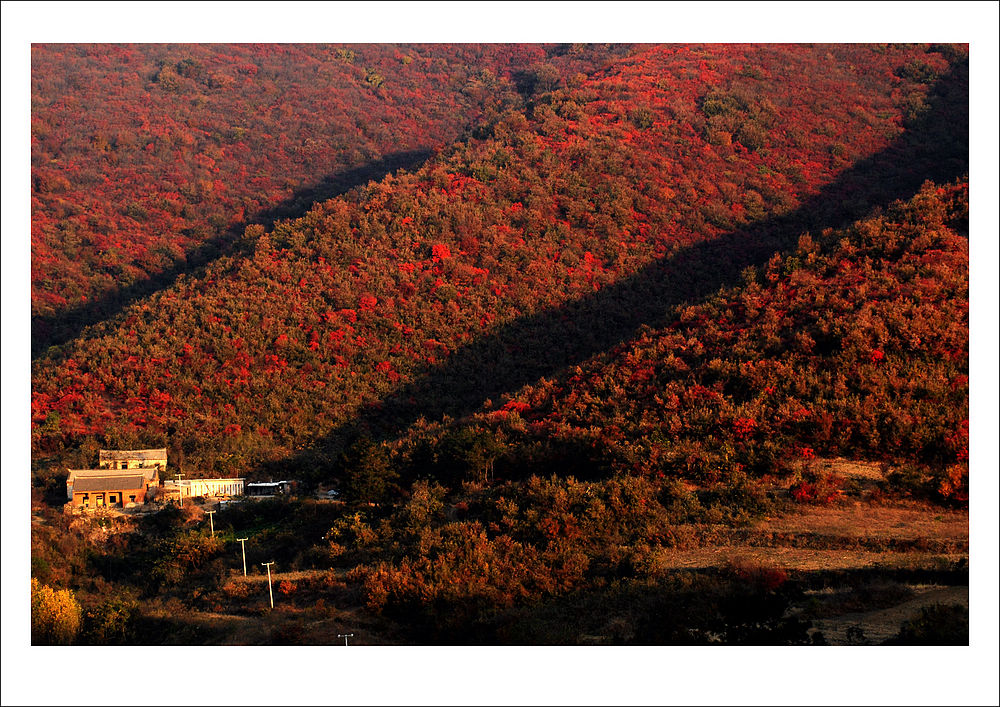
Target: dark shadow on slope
{"x":47,"y":331}
{"x":690,"y":606}
{"x":934,"y":147}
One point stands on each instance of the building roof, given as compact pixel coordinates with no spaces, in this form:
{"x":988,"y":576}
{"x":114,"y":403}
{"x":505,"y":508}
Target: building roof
{"x":109,"y":483}
{"x":117,"y":455}
{"x":148,"y":473}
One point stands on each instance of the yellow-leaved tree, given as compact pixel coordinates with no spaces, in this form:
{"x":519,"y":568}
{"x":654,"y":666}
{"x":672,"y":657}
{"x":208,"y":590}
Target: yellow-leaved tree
{"x":55,"y":615}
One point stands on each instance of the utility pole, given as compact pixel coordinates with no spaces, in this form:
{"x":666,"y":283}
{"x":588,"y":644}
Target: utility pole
{"x":211,"y":522}
{"x":243,"y":545}
{"x":345,"y":636}
{"x":270,"y":592}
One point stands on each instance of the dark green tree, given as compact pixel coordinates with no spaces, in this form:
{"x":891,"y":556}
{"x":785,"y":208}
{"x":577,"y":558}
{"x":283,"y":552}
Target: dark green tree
{"x":366,"y":471}
{"x":466,"y":454}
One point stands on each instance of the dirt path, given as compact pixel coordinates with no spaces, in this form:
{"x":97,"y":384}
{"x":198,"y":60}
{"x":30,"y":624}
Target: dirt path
{"x":883,"y":624}
{"x":294,"y":576}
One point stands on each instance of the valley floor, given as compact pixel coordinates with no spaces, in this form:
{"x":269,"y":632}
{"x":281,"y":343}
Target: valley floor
{"x":868,"y":569}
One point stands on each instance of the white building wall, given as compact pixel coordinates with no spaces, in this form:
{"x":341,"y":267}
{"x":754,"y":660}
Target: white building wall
{"x":206,"y":487}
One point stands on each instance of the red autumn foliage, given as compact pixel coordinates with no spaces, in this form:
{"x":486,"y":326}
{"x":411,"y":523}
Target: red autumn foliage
{"x":143,"y":154}
{"x":440,"y":251}
{"x":274,"y":338}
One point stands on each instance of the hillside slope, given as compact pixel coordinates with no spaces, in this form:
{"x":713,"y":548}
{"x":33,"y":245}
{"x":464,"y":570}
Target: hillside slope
{"x":550,"y":236}
{"x":687,"y":458}
{"x":150,"y":159}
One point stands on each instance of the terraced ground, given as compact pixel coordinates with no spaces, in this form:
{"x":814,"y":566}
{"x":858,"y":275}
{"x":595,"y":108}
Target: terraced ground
{"x":867,"y":564}
{"x":873,"y":565}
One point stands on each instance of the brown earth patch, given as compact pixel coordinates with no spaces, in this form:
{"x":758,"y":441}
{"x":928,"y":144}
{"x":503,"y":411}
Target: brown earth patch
{"x":804,"y":559}
{"x":871,"y":471}
{"x":857,"y":520}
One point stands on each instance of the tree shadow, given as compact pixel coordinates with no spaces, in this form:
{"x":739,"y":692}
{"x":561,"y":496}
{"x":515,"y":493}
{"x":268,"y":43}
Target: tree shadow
{"x":58,"y":329}
{"x":933,"y":147}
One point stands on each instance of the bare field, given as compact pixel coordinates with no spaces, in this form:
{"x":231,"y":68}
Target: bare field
{"x":857,"y":520}
{"x":804,"y":559}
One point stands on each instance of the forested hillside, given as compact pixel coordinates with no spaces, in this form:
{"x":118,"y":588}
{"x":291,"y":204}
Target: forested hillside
{"x":551,"y":234}
{"x":150,"y":159}
{"x":573,"y":509}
